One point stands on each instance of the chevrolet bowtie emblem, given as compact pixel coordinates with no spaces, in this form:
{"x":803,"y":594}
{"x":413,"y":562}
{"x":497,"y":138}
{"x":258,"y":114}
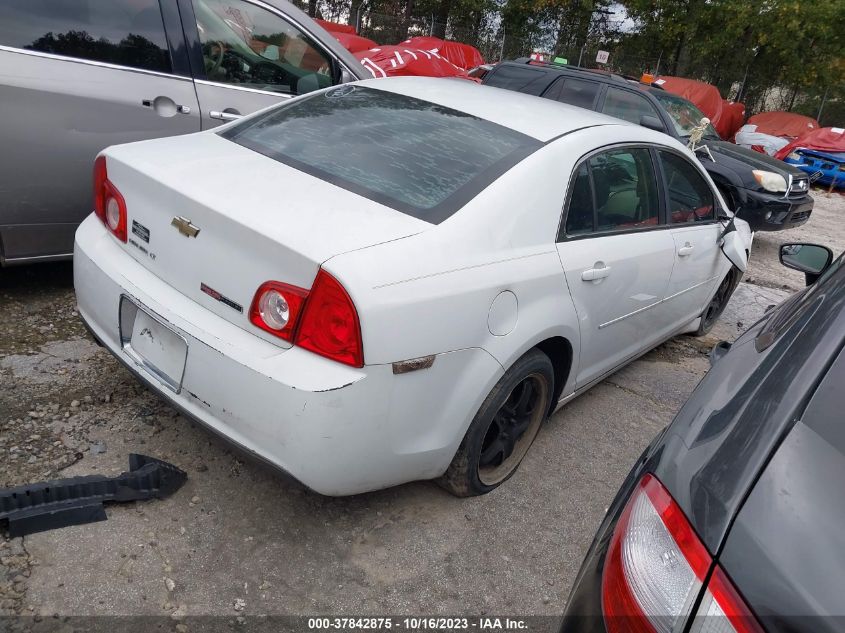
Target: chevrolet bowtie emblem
{"x":185,"y":226}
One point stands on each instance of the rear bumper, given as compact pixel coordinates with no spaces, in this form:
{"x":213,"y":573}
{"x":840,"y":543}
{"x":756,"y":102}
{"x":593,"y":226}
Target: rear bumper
{"x":337,"y":429}
{"x":773,"y":212}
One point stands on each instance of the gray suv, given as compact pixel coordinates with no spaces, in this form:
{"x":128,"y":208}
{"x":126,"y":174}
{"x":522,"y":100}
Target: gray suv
{"x":79,"y":75}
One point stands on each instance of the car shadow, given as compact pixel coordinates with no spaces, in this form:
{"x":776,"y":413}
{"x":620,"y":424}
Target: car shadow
{"x":36,"y":279}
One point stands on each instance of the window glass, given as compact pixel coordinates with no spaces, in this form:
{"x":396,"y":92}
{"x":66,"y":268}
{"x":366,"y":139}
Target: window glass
{"x":574,"y":91}
{"x":625,"y":189}
{"x":246,"y":45}
{"x":125,"y":32}
{"x":519,"y":78}
{"x":690,"y":197}
{"x":685,"y":116}
{"x":580,"y":215}
{"x":627,"y":105}
{"x":417,"y":157}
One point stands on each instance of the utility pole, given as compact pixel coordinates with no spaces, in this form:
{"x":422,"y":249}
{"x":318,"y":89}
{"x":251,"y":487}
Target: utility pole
{"x":821,"y":107}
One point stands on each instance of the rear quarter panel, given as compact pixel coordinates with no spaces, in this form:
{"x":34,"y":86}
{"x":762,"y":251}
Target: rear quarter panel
{"x":432,"y":293}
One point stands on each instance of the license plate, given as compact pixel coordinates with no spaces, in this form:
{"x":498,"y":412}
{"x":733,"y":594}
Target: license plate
{"x":152,"y":344}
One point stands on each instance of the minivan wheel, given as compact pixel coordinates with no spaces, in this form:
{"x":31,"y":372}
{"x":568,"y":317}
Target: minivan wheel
{"x":503,"y":429}
{"x":718,"y":302}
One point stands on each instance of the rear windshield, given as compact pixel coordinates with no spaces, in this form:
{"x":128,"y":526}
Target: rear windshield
{"x":412,"y":155}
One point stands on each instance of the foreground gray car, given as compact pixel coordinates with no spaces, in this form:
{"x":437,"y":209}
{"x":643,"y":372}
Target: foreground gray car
{"x":732,"y":521}
{"x":79,"y":75}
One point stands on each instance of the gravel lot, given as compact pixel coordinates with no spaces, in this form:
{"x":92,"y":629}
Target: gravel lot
{"x":239,"y":539}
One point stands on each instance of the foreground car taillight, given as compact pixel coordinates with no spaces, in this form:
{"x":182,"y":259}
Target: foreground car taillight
{"x":323,"y":320}
{"x":655,"y":568}
{"x":109,"y":204}
{"x":276,"y":308}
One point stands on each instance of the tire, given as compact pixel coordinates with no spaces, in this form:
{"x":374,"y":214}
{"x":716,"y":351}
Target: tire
{"x":717,"y":304}
{"x":503,"y":429}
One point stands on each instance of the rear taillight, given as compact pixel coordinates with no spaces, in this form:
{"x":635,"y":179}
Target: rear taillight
{"x":655,"y":569}
{"x":322,"y":320}
{"x":276,"y":308}
{"x":109,"y":204}
{"x":330,"y":324}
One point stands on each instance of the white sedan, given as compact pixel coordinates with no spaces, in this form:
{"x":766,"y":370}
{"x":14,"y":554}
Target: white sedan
{"x":399,"y":279}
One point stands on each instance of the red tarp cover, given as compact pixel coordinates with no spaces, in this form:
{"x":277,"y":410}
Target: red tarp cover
{"x":783,"y":123}
{"x":395,"y":61}
{"x":354,"y":43}
{"x":462,"y":55}
{"x":335,"y":27}
{"x":826,"y":139}
{"x":709,"y":101}
{"x":736,"y":116}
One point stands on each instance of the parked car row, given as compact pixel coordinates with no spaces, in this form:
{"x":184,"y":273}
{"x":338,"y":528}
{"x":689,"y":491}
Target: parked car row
{"x":137,"y":69}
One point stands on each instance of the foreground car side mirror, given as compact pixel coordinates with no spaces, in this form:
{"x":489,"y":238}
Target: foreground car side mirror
{"x":652,"y":123}
{"x":810,"y":259}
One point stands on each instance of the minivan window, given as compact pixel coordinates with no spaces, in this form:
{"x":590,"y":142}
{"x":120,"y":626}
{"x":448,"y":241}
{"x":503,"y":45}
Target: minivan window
{"x":124,"y":32}
{"x":247,"y":45}
{"x":573,"y":91}
{"x":627,"y":105}
{"x":414,"y":156}
{"x":690,"y":197}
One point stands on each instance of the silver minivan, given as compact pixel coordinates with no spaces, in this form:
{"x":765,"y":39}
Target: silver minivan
{"x":79,"y":75}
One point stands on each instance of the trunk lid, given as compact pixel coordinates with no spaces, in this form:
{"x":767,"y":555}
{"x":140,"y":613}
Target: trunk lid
{"x":258,"y":220}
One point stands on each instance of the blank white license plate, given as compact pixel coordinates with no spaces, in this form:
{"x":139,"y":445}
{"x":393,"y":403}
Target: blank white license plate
{"x":152,"y":344}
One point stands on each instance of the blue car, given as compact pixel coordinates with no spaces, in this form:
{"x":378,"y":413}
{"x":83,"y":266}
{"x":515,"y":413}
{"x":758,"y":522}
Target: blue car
{"x":824,"y":168}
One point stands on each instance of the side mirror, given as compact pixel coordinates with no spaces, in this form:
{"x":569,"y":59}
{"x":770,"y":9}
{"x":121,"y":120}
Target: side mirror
{"x":732,"y":246}
{"x":810,"y":259}
{"x":652,"y":123}
{"x":719,"y":350}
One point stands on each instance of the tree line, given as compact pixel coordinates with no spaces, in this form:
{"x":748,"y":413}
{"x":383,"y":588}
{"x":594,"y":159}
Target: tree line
{"x":770,"y":54}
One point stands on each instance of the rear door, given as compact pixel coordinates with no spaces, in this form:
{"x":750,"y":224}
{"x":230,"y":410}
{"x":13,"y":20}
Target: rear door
{"x":617,"y":258}
{"x":78,"y":76}
{"x":574,"y":91}
{"x":251,"y":55}
{"x":691,"y":212}
{"x":627,"y":105}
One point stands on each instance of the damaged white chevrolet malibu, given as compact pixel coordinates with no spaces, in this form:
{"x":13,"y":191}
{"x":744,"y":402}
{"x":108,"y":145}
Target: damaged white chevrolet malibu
{"x":399,"y":279}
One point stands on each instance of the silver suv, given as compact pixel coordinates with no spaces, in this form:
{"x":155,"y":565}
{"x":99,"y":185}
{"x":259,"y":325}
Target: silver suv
{"x":79,"y":75}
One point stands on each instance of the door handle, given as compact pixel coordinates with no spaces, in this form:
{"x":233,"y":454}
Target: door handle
{"x":685,"y":250}
{"x":224,"y":116}
{"x":599,"y":271}
{"x":165,"y":106}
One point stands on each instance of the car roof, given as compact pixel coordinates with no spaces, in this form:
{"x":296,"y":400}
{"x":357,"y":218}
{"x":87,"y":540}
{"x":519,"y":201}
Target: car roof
{"x":542,"y":119}
{"x":595,"y":73}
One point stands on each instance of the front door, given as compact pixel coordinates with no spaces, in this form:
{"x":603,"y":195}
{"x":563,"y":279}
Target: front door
{"x":253,"y":58}
{"x":617,"y":258}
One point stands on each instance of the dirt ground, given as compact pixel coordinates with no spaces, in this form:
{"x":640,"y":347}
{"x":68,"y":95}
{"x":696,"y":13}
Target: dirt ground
{"x":240,"y":540}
